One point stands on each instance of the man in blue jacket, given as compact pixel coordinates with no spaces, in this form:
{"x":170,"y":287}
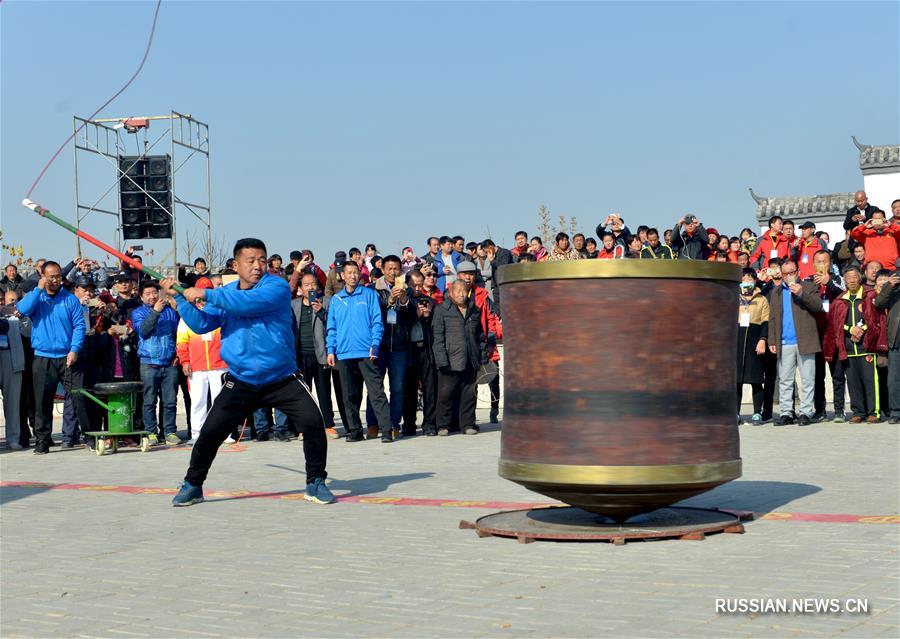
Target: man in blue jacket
{"x":156,"y":324}
{"x":445,"y":263}
{"x":352,"y":339}
{"x":255,"y":316}
{"x":57,"y":336}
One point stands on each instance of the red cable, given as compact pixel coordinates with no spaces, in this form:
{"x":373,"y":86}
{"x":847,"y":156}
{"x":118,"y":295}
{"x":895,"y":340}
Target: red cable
{"x":103,"y":106}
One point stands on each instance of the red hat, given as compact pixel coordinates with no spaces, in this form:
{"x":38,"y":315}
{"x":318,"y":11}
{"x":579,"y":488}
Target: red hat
{"x":204,"y":282}
{"x":712,"y":230}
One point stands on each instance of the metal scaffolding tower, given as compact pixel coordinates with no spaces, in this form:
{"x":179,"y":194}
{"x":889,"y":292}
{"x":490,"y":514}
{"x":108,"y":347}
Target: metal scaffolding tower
{"x":187,"y":140}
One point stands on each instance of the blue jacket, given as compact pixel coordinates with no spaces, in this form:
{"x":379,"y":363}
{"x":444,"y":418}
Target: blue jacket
{"x":354,"y":324}
{"x":455,"y":258}
{"x":58,"y":322}
{"x":156,"y":334}
{"x":257,"y":328}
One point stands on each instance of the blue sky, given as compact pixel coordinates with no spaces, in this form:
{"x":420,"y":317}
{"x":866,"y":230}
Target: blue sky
{"x":336,"y":124}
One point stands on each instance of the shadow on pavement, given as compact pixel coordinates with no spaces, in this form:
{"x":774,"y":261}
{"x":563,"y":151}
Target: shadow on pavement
{"x":10,"y":494}
{"x":759,"y":496}
{"x":363,"y":485}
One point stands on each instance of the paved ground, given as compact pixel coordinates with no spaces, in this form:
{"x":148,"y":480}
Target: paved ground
{"x":98,"y":561}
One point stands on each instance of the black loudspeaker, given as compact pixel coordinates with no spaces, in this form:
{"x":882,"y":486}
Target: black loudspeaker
{"x":135,"y":231}
{"x":134,"y":216}
{"x":145,"y":195}
{"x":161,"y":231}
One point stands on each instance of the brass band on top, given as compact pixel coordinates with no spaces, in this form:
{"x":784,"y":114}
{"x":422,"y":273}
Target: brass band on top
{"x":591,"y":269}
{"x":680,"y":474}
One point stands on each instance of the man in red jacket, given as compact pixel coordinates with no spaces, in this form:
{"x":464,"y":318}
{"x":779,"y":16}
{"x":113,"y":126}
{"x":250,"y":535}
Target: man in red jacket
{"x":771,"y":245}
{"x":879,"y":238}
{"x":807,"y":247}
{"x":491,"y":326}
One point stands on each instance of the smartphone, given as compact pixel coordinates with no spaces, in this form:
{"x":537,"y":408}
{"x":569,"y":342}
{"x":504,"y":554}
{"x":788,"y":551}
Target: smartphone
{"x":137,"y":247}
{"x":312,"y":296}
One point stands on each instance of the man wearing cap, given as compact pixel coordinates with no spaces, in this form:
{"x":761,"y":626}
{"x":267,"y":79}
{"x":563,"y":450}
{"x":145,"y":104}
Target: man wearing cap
{"x":807,"y":248}
{"x":156,"y":324}
{"x":334,"y":282}
{"x":491,"y":327}
{"x":689,"y":238}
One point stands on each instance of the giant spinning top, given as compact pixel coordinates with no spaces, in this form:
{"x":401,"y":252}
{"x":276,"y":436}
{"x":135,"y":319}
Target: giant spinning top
{"x":619,"y":386}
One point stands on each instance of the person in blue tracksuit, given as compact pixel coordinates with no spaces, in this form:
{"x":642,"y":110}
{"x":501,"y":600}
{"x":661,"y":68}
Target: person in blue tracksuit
{"x":156,"y":324}
{"x":57,"y":337}
{"x":352,"y":340}
{"x":255,"y":316}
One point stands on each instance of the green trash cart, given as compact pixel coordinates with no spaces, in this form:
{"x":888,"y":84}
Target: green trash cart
{"x":119,"y":406}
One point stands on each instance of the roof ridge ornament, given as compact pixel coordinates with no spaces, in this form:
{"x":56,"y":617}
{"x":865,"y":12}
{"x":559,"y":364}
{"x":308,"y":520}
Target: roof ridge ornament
{"x":756,"y":198}
{"x":859,"y":145}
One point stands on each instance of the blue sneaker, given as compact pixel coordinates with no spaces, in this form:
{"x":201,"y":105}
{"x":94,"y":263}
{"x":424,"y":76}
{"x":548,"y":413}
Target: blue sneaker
{"x":188,"y":495}
{"x":318,"y":493}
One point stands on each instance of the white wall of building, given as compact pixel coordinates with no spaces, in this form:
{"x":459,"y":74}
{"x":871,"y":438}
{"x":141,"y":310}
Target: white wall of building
{"x":882,"y":189}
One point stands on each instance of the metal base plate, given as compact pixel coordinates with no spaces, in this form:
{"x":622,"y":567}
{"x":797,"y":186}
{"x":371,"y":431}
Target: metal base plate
{"x":574,"y":524}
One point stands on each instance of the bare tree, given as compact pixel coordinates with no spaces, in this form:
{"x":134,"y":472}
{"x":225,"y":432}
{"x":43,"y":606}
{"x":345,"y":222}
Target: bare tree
{"x":573,"y":225}
{"x":190,"y":246}
{"x":220,"y":253}
{"x":544,"y":227}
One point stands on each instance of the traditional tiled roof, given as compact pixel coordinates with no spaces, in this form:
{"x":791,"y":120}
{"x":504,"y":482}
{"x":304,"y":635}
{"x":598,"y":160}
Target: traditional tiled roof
{"x":801,"y":209}
{"x":875,"y":159}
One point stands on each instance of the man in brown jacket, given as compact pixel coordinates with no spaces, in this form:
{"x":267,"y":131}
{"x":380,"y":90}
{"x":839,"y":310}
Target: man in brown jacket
{"x":794,"y":338}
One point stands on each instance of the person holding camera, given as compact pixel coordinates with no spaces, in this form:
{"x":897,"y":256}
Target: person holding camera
{"x":310,"y":310}
{"x":615,"y":224}
{"x":793,"y":337}
{"x":689,"y":238}
{"x":421,"y":370}
{"x":156,"y":324}
{"x":398,"y":315}
{"x":879,"y":239}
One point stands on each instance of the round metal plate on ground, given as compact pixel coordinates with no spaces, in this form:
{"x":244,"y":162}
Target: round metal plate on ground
{"x":574,"y":524}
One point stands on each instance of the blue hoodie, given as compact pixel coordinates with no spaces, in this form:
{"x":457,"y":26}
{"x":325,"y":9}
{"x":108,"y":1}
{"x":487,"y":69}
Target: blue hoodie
{"x":455,"y":259}
{"x":156,"y":334}
{"x":354,"y":324}
{"x":58,"y":322}
{"x":257,"y":328}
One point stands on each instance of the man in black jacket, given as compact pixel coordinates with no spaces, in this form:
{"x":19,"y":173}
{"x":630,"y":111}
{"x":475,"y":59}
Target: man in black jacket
{"x":421,"y":361}
{"x":689,"y":238}
{"x":860,"y":213}
{"x":498,"y":257}
{"x":397,"y":314}
{"x":459,"y":351}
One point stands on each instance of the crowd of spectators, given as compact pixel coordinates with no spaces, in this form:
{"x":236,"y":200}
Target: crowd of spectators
{"x":431,"y":325}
